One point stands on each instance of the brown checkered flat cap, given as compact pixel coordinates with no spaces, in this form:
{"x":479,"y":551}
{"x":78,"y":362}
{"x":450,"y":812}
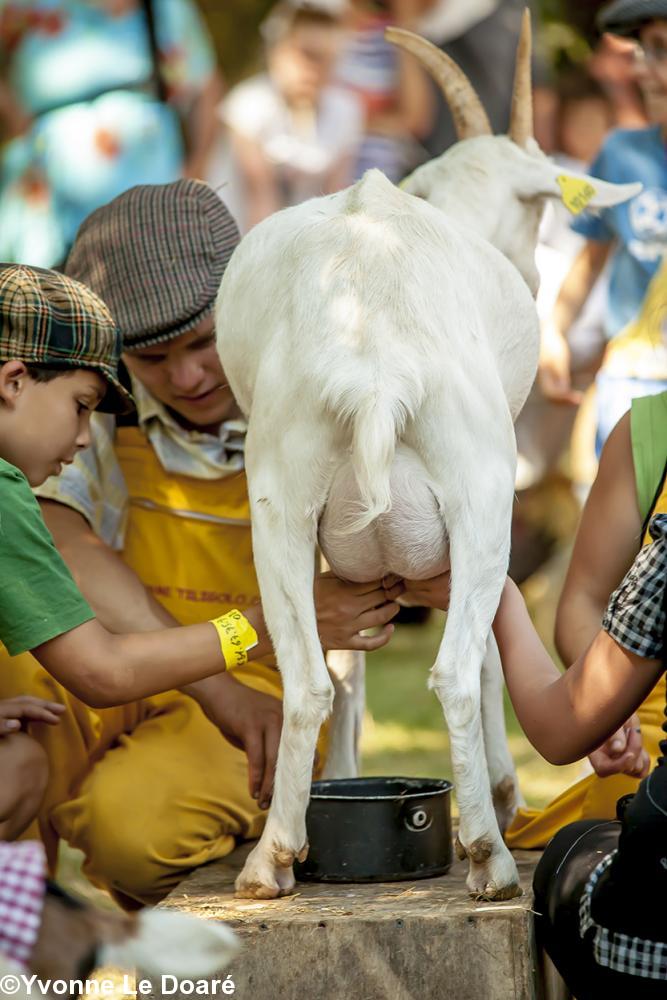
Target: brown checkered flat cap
{"x":48,"y":319}
{"x":156,"y":255}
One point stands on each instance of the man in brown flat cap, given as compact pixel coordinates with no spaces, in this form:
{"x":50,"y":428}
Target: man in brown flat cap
{"x":153,"y":520}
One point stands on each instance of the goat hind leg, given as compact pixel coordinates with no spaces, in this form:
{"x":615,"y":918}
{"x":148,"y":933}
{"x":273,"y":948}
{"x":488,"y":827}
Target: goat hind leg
{"x":284,"y":534}
{"x":477,"y":506}
{"x":505,"y":790}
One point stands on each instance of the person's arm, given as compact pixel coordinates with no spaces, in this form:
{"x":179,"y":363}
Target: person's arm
{"x":202,"y":125}
{"x":415,"y":105}
{"x":13,"y":119}
{"x":259,"y":179}
{"x":104,"y":669}
{"x":122,"y":603}
{"x":249,"y":719}
{"x":608,"y":539}
{"x":596,"y":568}
{"x":566,"y":716}
{"x":114,"y":591}
{"x":554,"y":371}
{"x":339,"y":176}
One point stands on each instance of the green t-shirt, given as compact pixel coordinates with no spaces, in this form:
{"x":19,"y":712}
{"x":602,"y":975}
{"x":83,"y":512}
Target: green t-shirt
{"x":38,"y":597}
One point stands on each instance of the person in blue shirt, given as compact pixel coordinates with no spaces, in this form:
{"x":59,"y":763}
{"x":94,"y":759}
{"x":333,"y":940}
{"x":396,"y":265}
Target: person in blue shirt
{"x":631,"y":238}
{"x":89,"y":109}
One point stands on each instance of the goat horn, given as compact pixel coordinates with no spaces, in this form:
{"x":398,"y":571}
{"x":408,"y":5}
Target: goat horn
{"x":469,"y":116}
{"x":521,"y":122}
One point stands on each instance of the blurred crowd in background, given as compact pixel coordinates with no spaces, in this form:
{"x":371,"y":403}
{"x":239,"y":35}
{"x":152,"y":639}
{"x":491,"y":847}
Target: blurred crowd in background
{"x":274,"y":103}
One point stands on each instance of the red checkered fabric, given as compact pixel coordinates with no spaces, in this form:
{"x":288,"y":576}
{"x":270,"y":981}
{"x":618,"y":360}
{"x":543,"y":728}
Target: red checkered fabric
{"x":22,"y":886}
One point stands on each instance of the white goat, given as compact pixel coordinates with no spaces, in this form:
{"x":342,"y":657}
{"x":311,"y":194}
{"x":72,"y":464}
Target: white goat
{"x":368,"y":336}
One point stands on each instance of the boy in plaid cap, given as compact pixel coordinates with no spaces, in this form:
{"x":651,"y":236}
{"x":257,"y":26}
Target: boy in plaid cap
{"x":59,"y":352}
{"x":154,"y":521}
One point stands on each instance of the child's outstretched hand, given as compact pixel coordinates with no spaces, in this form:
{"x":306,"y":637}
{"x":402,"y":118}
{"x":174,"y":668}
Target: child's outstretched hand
{"x":16,"y":713}
{"x":622,"y":753}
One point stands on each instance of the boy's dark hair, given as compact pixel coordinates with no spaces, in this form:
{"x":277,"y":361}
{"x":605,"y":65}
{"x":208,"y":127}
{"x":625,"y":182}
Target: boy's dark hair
{"x":47,"y":373}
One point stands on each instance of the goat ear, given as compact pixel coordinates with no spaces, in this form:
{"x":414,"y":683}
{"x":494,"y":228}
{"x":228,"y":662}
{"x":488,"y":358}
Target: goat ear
{"x":580,"y":191}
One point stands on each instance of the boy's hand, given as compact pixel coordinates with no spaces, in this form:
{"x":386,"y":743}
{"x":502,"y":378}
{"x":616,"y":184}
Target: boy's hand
{"x":345,"y":609}
{"x":16,"y":713}
{"x":622,"y":753}
{"x":433,"y":593}
{"x":249,"y":720}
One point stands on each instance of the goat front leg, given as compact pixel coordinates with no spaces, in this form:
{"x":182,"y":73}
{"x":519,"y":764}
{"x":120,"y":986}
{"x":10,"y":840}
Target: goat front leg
{"x":284,"y":527}
{"x":505,"y":790}
{"x":347,"y":669}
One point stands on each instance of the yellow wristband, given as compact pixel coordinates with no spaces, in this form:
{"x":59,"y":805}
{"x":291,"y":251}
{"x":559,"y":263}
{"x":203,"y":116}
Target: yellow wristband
{"x":236,"y":636}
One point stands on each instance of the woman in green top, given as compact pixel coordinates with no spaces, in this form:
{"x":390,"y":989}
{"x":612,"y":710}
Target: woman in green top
{"x":629,"y":486}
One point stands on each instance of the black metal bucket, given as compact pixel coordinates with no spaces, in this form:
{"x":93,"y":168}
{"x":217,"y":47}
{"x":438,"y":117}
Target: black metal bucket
{"x":378,"y":830}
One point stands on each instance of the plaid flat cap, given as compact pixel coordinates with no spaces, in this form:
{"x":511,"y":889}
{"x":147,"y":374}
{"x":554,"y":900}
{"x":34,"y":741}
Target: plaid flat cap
{"x":626,"y":17}
{"x":156,"y":255}
{"x":48,"y":319}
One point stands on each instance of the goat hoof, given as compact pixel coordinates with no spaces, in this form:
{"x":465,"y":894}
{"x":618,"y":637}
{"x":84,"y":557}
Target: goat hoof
{"x":264,"y":877}
{"x":272,"y":889}
{"x":494,"y":876}
{"x":255,"y":890}
{"x":499,"y":893}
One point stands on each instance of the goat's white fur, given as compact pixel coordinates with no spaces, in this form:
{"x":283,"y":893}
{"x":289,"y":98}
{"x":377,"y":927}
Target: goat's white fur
{"x":347,"y":669}
{"x":170,"y":943}
{"x":356,"y":329}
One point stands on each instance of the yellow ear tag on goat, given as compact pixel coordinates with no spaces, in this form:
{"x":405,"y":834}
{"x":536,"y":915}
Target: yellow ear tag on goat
{"x":576,"y":192}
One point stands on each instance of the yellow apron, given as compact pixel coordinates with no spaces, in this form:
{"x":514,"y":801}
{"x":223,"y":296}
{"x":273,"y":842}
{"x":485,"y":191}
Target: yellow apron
{"x":151,"y":790}
{"x":593,"y":797}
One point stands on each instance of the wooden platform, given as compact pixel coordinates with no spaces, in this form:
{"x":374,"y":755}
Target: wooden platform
{"x":391,"y":941}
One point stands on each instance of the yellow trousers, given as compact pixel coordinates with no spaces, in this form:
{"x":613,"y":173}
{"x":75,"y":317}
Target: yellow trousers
{"x":592,"y":797}
{"x":148,"y":791}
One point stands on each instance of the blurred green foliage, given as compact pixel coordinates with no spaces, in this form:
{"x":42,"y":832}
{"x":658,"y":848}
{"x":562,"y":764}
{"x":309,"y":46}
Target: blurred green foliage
{"x":234,"y":25}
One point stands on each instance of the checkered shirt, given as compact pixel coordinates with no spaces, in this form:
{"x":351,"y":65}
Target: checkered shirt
{"x":635,"y":615}
{"x":22,"y":885}
{"x":614,"y":950}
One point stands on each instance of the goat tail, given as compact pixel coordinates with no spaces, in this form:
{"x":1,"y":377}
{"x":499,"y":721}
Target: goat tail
{"x":373,"y":447}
